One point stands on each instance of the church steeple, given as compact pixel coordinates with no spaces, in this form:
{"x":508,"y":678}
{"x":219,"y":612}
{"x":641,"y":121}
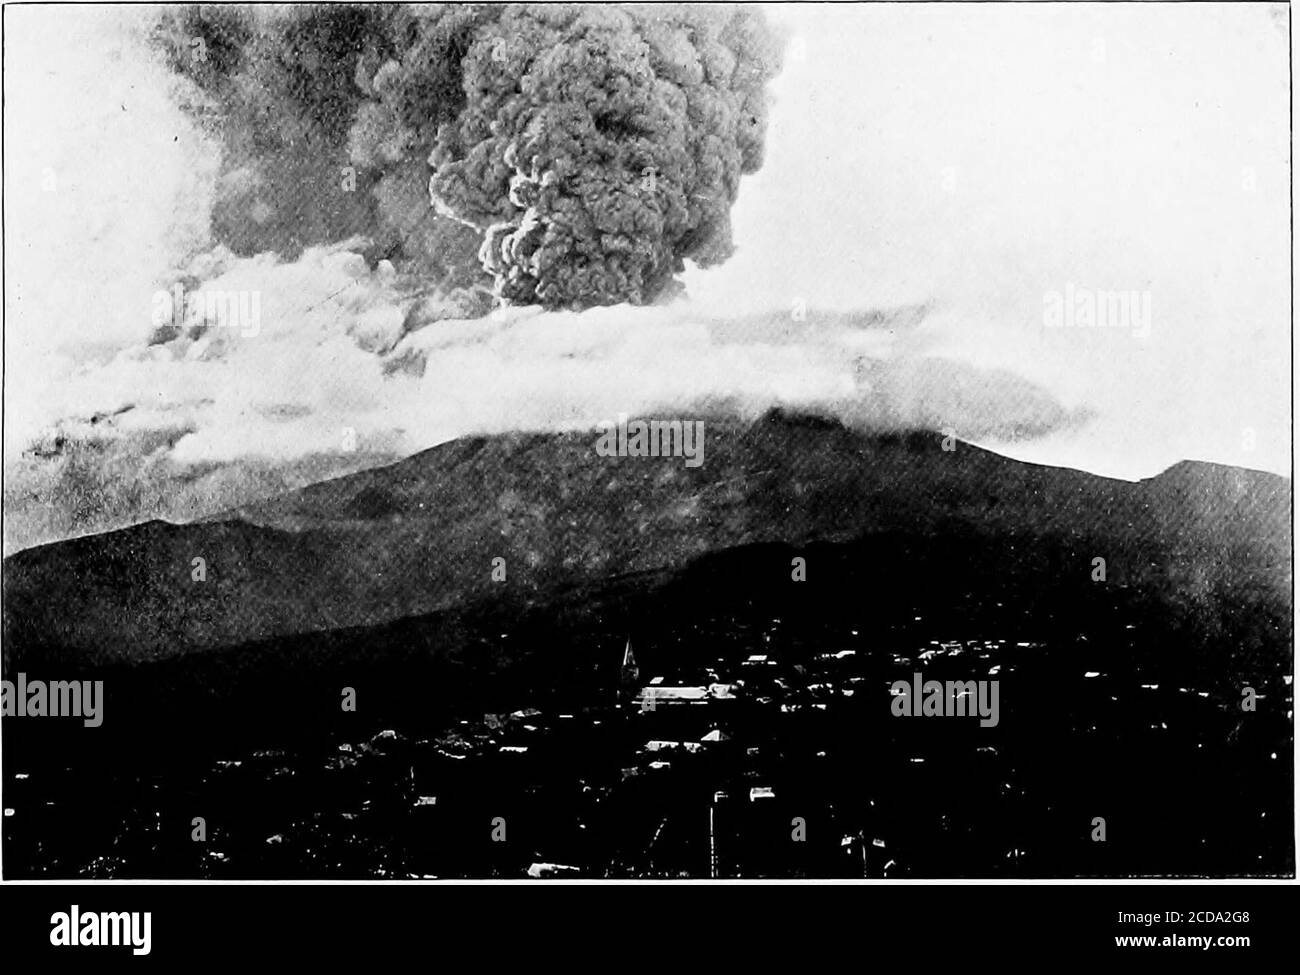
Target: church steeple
{"x":630,"y":672}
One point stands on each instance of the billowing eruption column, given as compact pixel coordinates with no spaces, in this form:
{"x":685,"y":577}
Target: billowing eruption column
{"x":591,"y":149}
{"x":604,"y":145}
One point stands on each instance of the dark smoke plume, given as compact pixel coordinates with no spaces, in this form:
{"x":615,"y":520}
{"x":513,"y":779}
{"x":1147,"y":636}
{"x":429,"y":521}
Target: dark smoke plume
{"x":577,"y":154}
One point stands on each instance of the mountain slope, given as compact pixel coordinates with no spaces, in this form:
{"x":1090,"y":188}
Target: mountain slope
{"x":420,"y":536}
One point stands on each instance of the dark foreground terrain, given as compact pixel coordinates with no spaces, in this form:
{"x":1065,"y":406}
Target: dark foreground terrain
{"x":498,"y":731}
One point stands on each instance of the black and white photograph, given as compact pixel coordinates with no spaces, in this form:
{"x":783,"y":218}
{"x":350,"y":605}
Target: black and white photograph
{"x":647,"y":443}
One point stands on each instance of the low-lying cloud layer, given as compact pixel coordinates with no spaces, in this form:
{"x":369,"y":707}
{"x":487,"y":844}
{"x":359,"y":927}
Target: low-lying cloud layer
{"x":349,"y":366}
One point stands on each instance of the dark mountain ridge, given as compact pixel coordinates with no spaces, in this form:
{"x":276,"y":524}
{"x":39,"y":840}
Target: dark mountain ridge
{"x":421,"y":536}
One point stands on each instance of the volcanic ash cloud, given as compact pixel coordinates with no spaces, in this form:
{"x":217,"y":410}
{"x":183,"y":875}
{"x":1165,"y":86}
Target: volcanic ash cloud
{"x":605,"y":146}
{"x":565,"y":156}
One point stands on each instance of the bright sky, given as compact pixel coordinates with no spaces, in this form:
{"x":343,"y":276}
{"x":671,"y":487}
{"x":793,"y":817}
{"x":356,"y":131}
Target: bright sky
{"x":980,"y":156}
